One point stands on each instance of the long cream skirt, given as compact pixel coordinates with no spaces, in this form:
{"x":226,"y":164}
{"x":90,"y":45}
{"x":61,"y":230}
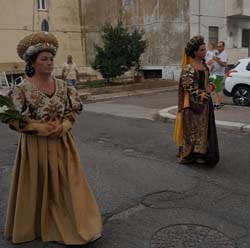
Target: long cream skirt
{"x":49,"y":196}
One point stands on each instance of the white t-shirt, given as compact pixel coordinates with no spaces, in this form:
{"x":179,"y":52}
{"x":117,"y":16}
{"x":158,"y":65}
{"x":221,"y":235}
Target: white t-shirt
{"x":70,"y":70}
{"x":217,"y":68}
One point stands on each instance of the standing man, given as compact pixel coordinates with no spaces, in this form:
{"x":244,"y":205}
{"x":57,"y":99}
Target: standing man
{"x":70,"y":72}
{"x":220,"y":63}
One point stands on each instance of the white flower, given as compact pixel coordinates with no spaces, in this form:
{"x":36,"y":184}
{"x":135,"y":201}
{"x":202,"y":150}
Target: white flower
{"x":213,"y":77}
{"x":5,"y":108}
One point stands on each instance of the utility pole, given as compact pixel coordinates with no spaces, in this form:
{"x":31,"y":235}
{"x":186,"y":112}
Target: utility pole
{"x":248,"y":43}
{"x":83,"y":33}
{"x":33,"y":16}
{"x":199,"y":17}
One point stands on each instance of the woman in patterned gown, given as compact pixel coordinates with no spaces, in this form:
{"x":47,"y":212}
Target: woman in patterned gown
{"x":199,"y":141}
{"x":49,"y":197}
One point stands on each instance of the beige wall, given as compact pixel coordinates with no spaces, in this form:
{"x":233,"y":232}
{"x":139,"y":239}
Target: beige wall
{"x":22,"y":17}
{"x":165,"y":23}
{"x":16,"y":18}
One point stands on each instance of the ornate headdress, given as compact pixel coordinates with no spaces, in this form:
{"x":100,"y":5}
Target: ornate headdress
{"x":36,"y":42}
{"x":193,"y":44}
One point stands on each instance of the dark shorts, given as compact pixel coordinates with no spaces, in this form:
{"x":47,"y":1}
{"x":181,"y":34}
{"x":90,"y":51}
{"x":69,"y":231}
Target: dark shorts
{"x":218,"y":83}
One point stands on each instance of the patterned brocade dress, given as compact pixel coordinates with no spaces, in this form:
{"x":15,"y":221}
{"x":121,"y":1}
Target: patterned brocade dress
{"x":49,"y":196}
{"x":199,"y":130}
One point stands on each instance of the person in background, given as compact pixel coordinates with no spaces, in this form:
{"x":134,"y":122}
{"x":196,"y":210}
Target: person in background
{"x":219,"y":66}
{"x":195,"y":131}
{"x":70,"y":72}
{"x":209,"y":55}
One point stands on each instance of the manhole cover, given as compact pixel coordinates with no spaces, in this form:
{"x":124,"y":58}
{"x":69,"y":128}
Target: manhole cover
{"x":190,"y":236}
{"x":166,"y":196}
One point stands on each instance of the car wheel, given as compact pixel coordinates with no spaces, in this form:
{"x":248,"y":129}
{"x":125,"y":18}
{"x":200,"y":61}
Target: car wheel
{"x":241,"y":96}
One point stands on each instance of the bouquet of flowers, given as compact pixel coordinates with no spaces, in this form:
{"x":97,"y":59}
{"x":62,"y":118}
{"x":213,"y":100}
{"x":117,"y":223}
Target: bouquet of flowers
{"x":8,"y":112}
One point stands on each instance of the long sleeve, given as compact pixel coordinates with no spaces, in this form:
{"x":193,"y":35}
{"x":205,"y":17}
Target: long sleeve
{"x":67,"y":123}
{"x":73,"y":103}
{"x":17,"y":96}
{"x":189,"y":84}
{"x":73,"y":107}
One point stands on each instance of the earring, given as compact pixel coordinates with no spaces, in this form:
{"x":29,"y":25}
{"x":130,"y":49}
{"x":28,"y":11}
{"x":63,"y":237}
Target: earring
{"x":29,"y":70}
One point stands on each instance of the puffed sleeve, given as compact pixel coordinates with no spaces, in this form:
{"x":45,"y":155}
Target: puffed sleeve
{"x":73,"y":107}
{"x":188,"y":77}
{"x":17,"y":96}
{"x":67,"y":122}
{"x":74,"y":103}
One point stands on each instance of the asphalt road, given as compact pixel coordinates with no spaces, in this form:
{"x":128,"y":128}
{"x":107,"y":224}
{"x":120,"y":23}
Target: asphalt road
{"x":132,"y":167}
{"x":157,"y":100}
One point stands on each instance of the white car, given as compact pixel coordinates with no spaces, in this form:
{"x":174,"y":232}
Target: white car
{"x":237,"y":83}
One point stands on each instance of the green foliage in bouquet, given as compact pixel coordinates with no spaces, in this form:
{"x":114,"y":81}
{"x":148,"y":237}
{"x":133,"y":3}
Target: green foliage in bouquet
{"x":8,"y":112}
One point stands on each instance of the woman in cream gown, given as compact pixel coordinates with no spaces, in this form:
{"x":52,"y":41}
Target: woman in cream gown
{"x":49,"y":196}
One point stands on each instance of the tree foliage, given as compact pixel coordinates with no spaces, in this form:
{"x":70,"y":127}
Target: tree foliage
{"x":121,"y":50}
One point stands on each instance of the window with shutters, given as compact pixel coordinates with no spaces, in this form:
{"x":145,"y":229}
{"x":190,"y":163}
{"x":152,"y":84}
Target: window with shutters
{"x":41,"y":4}
{"x":45,"y":25}
{"x":126,"y":2}
{"x":213,"y":35}
{"x":245,"y":38}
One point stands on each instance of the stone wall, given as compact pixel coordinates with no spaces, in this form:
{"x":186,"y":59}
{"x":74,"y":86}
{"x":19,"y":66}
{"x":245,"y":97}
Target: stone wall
{"x":165,"y":22}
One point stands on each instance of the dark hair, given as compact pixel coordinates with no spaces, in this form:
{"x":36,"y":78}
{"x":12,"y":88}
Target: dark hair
{"x":193,"y":45}
{"x":195,"y":49}
{"x":222,"y":42}
{"x":29,"y":69}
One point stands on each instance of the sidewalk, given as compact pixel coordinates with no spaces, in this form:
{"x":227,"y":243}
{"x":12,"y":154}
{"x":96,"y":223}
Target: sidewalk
{"x":230,"y":116}
{"x":89,"y":97}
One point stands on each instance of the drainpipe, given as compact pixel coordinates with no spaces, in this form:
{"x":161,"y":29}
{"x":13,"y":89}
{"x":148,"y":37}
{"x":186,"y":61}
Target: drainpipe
{"x":33,"y":16}
{"x":199,"y":17}
{"x":248,"y":50}
{"x":83,"y":37}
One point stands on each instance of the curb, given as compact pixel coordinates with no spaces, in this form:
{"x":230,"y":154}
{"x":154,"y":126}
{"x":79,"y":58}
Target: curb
{"x":89,"y":97}
{"x":165,"y":116}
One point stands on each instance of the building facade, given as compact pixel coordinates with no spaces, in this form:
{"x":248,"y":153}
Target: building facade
{"x":19,"y":18}
{"x":166,"y":26}
{"x":224,"y":20}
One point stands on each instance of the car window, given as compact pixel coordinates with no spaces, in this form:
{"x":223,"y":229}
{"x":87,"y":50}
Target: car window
{"x":235,"y":65}
{"x":248,"y":66}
